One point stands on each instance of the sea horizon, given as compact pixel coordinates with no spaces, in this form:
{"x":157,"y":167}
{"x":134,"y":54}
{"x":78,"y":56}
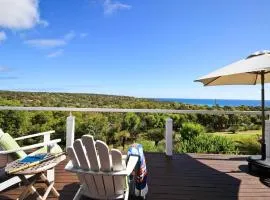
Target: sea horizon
{"x":212,"y":102}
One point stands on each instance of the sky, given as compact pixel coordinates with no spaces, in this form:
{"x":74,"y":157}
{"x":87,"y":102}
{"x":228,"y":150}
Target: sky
{"x":153,"y":48}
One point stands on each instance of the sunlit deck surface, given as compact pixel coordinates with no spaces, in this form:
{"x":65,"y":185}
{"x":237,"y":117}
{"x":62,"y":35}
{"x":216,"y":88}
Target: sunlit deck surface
{"x":185,"y":176}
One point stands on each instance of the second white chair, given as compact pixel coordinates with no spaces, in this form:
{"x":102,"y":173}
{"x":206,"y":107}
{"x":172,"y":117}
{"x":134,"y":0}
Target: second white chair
{"x":103,"y":174}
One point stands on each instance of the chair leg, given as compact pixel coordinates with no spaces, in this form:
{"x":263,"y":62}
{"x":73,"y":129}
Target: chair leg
{"x":78,"y":194}
{"x":126,"y":194}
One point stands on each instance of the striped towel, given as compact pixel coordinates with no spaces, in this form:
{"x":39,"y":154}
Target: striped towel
{"x":139,"y":174}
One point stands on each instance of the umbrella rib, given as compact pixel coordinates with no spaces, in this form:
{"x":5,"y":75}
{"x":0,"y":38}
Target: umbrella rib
{"x":212,"y":81}
{"x":256,"y":78}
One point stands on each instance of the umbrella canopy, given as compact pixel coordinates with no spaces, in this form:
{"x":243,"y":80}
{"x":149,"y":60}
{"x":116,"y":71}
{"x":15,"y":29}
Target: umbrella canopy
{"x":243,"y":72}
{"x":249,"y":71}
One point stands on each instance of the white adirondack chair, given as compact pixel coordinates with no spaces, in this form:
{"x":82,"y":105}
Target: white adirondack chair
{"x":103,"y":174}
{"x":47,"y":142}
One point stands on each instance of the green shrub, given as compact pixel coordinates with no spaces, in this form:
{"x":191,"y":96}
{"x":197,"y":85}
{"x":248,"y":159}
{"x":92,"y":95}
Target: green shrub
{"x":207,"y":143}
{"x":191,"y":130}
{"x":149,"y":146}
{"x":234,"y":128}
{"x":249,"y":145}
{"x":155,"y":135}
{"x":254,"y":127}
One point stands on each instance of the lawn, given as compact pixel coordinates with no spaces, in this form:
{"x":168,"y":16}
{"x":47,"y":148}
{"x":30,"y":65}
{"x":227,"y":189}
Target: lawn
{"x":246,"y":141}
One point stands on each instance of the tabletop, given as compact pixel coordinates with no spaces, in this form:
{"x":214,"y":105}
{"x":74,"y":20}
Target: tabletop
{"x":39,"y":168}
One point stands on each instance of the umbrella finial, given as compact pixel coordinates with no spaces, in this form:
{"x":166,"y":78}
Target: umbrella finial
{"x":258,"y":53}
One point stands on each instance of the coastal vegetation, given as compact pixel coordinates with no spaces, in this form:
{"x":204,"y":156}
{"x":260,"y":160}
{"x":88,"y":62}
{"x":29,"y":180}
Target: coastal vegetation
{"x":202,"y":133}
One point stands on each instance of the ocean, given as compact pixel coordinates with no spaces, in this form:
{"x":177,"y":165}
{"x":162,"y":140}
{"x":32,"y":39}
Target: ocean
{"x":212,"y":102}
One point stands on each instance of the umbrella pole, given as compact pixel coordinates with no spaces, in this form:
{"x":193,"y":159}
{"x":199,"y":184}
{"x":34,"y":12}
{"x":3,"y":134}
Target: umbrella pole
{"x":263,"y":146}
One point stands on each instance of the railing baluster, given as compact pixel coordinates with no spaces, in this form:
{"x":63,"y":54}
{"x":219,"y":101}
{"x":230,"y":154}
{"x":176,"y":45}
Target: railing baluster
{"x":168,"y":137}
{"x":70,"y":132}
{"x":267,"y":138}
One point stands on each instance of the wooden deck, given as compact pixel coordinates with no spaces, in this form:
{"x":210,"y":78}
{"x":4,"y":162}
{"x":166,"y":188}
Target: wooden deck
{"x":185,"y":176}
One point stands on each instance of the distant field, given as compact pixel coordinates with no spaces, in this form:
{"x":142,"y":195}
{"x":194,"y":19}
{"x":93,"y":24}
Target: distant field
{"x":246,"y":141}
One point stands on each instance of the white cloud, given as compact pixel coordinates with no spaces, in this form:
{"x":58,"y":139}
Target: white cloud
{"x":53,"y":42}
{"x":20,"y":14}
{"x":83,"y":35}
{"x":4,"y":69}
{"x":46,"y":43}
{"x":111,"y":7}
{"x":56,"y":53}
{"x":70,"y":35}
{"x":2,"y":36}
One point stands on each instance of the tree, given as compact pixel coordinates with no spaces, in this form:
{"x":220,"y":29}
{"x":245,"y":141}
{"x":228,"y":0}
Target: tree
{"x":155,"y":135}
{"x":122,"y":136}
{"x":191,"y":130}
{"x":96,"y":125}
{"x":132,"y":123}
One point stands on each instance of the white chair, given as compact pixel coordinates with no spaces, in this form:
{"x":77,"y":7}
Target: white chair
{"x":13,"y":151}
{"x":103,"y":174}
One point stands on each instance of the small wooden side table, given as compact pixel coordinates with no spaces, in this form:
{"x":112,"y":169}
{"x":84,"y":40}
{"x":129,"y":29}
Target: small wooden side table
{"x":37,"y":172}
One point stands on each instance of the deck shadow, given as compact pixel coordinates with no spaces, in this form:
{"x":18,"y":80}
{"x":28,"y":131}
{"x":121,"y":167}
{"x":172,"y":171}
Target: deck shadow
{"x":69,"y":191}
{"x":264,"y":179}
{"x":185,"y":177}
{"x":5,"y":197}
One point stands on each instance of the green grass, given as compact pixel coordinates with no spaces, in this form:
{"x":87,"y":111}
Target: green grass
{"x":246,"y":141}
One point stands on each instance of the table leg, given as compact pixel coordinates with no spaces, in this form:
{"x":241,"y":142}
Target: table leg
{"x":49,"y":185}
{"x":29,"y":188}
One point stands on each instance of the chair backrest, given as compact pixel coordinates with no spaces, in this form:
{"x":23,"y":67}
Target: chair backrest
{"x":94,"y":156}
{"x":8,"y":143}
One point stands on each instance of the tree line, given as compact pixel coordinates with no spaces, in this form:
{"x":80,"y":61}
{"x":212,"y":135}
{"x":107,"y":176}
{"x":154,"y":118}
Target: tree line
{"x":114,"y":128}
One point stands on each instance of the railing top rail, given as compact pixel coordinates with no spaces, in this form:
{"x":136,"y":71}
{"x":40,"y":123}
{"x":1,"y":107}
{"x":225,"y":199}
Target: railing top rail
{"x":124,"y":110}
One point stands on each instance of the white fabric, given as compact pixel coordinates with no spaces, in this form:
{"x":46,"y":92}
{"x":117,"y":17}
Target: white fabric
{"x":243,"y":72}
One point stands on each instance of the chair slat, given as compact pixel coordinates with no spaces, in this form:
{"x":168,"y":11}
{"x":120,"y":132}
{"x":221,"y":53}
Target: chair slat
{"x":89,"y":144}
{"x":90,"y":182}
{"x":117,"y":160}
{"x":119,"y":184}
{"x":75,"y":162}
{"x":105,"y":166}
{"x":109,"y":185}
{"x":118,"y":165}
{"x":73,"y":157}
{"x":104,"y":158}
{"x":79,"y":149}
{"x":100,"y":185}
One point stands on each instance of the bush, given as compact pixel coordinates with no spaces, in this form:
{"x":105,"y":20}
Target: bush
{"x":234,"y":128}
{"x":191,"y":130}
{"x":149,"y":146}
{"x":207,"y":143}
{"x":249,"y":145}
{"x":155,"y":135}
{"x":254,"y":127}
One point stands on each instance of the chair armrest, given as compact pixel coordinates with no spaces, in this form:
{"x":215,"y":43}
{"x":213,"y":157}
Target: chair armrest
{"x":130,"y":166}
{"x":34,"y":135}
{"x":31,"y":146}
{"x":132,"y":161}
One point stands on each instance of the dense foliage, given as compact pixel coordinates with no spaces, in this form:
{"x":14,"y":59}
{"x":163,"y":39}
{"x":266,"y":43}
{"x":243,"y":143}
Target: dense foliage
{"x":195,"y":140}
{"x":119,"y":129}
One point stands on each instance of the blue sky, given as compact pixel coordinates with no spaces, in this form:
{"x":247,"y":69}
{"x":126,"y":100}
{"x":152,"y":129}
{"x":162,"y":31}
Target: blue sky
{"x":153,"y":48}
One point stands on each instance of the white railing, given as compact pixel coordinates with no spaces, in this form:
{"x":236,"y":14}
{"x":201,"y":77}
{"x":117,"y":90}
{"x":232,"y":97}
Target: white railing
{"x":70,"y":123}
{"x":124,"y":110}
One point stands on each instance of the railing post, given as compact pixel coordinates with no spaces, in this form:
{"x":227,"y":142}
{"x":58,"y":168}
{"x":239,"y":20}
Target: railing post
{"x":47,"y":137}
{"x":50,"y":172}
{"x":70,"y":132}
{"x":267,"y":138}
{"x":168,"y":136}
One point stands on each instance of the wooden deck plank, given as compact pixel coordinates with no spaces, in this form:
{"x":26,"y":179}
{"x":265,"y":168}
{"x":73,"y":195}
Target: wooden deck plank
{"x":184,"y":176}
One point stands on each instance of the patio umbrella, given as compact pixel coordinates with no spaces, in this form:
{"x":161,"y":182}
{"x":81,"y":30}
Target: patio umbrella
{"x":252,"y":70}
